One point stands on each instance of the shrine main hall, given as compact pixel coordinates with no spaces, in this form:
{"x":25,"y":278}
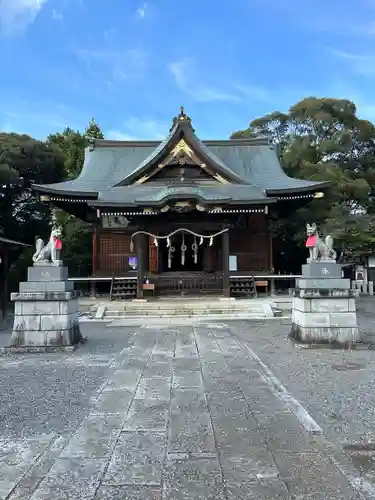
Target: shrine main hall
{"x":182,"y":215}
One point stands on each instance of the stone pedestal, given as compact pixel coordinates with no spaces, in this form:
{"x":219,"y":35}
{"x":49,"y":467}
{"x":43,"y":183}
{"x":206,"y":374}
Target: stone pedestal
{"x":46,"y":311}
{"x":324,"y":310}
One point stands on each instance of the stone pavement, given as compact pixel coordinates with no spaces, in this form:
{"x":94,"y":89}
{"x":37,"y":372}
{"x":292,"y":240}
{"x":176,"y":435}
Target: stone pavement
{"x":178,"y":413}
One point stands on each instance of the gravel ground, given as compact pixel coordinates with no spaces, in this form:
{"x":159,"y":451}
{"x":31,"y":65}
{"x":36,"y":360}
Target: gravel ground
{"x":341,"y":400}
{"x":176,"y":413}
{"x":51,"y":393}
{"x":54,"y":390}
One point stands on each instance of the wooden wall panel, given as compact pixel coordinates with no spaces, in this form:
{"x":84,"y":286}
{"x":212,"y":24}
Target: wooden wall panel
{"x":252,"y":245}
{"x":114,"y":252}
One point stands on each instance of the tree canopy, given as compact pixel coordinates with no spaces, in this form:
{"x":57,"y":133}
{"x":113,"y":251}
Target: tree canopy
{"x":317,"y":139}
{"x":25,"y":161}
{"x":324,"y":139}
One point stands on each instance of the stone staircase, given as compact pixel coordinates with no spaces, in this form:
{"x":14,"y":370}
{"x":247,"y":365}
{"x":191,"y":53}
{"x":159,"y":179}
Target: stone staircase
{"x":207,"y":308}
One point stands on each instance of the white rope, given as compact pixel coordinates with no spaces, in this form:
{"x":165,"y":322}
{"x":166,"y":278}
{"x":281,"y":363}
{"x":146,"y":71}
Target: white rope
{"x":168,"y":236}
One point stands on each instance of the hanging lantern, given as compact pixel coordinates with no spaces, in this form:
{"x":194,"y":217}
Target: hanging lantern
{"x":155,"y":241}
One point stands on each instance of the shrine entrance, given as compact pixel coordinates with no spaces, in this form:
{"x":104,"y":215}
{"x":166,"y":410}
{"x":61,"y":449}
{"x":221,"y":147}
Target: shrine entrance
{"x":183,"y":254}
{"x":187,"y":262}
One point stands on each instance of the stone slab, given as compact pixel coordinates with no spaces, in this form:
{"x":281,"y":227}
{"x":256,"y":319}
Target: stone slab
{"x":193,"y":479}
{"x":46,"y":286}
{"x":325,"y":319}
{"x":37,"y":307}
{"x":137,"y":459}
{"x":47,"y":273}
{"x":322,"y":270}
{"x":191,"y":433}
{"x":129,"y":493}
{"x":71,"y":478}
{"x":146,"y":415}
{"x":44,"y":296}
{"x":266,"y":489}
{"x":325,"y":335}
{"x":324,"y":304}
{"x":323,"y":283}
{"x":44,"y":338}
{"x":58,"y":321}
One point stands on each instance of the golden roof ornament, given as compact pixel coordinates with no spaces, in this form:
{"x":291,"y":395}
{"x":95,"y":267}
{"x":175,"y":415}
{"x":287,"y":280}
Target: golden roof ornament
{"x":182,"y":117}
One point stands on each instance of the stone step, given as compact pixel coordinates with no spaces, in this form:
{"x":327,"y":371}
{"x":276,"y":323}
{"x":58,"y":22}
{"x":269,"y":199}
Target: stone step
{"x":184,"y":310}
{"x":168,"y":307}
{"x":258,"y":312}
{"x":152,"y":318}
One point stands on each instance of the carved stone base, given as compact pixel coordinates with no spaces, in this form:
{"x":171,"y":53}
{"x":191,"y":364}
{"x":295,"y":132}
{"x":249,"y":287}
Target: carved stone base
{"x":46,"y":311}
{"x":324,"y":310}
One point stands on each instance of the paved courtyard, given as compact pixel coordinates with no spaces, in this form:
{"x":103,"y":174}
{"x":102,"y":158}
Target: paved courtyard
{"x":181,"y":412}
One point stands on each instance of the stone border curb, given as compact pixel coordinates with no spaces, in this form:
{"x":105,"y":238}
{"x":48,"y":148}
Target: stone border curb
{"x":37,"y":349}
{"x":334,"y":346}
{"x":42,"y":349}
{"x":305,"y":419}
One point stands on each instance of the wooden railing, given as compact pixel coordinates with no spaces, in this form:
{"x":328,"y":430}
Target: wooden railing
{"x":189,"y":284}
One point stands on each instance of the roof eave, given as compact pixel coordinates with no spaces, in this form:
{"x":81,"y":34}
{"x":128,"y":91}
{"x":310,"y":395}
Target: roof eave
{"x":64,"y":192}
{"x":302,"y":189}
{"x":204,"y":201}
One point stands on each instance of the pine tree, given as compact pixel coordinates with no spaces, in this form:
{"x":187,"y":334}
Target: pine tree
{"x":93,"y":130}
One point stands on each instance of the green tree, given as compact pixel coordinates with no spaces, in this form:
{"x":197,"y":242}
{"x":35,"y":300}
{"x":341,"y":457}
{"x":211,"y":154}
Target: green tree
{"x":24,"y":161}
{"x":93,"y":130}
{"x":77,"y":233}
{"x":323,"y":139}
{"x":71,"y":143}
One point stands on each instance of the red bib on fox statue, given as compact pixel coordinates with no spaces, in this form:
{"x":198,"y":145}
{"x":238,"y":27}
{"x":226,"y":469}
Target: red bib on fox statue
{"x":57,"y":243}
{"x":311,"y":241}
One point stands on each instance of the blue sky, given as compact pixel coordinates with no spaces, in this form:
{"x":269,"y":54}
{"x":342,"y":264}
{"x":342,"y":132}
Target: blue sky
{"x":131,"y":64}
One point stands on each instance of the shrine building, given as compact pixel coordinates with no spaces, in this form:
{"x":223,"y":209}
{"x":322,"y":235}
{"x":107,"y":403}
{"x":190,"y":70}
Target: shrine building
{"x":184,"y":215}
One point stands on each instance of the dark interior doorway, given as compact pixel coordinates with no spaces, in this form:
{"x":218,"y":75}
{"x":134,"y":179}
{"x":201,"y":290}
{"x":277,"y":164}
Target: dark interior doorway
{"x":176,"y":261}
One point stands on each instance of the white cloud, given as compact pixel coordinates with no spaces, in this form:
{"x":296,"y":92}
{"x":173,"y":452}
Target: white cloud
{"x":113,"y":65}
{"x":362,"y":64}
{"x":140,"y":129}
{"x":188,"y":81}
{"x":16,"y":15}
{"x":141,"y":11}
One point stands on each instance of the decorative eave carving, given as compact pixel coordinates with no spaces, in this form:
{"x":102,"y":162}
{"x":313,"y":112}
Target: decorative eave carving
{"x":183,"y":155}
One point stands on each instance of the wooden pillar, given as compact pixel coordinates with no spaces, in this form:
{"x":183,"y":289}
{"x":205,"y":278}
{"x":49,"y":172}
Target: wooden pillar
{"x":225,"y":257}
{"x":95,"y":255}
{"x":270,"y":260}
{"x":140,"y":247}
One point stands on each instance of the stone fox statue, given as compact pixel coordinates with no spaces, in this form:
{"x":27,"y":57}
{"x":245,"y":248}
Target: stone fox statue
{"x":319,"y":249}
{"x":48,"y":254}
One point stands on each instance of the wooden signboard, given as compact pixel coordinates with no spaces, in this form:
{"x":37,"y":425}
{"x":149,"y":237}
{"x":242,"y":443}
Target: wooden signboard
{"x":153,"y":256}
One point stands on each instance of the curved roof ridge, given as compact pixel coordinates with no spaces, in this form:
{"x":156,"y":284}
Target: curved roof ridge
{"x":182,"y":128}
